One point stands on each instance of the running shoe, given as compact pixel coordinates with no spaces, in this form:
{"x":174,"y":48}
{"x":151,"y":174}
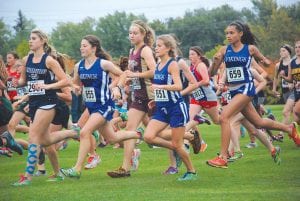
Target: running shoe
{"x":5,"y":152}
{"x":217,"y":162}
{"x":279,"y":137}
{"x":236,"y":155}
{"x":201,"y":119}
{"x":39,"y":173}
{"x":71,"y":172}
{"x":76,"y":128}
{"x":136,"y":154}
{"x":196,"y":142}
{"x":11,"y":143}
{"x":203,"y":147}
{"x":118,"y":173}
{"x":188,"y":176}
{"x":177,"y":158}
{"x":170,"y":170}
{"x":140,"y":131}
{"x":276,"y":155}
{"x":124,"y":116}
{"x":251,"y":145}
{"x":92,"y":162}
{"x":295,"y":133}
{"x":23,"y":181}
{"x":56,"y":178}
{"x":64,"y":145}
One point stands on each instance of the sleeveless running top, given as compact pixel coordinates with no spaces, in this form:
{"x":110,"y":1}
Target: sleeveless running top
{"x":238,"y":65}
{"x":140,"y":86}
{"x":11,"y":90}
{"x":202,"y":93}
{"x":295,"y":70}
{"x":184,"y":82}
{"x":38,"y":73}
{"x":162,"y":97}
{"x":96,"y":83}
{"x":284,"y":84}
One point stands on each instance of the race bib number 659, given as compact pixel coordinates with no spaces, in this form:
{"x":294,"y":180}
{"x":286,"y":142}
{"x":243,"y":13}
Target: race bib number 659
{"x":235,"y":74}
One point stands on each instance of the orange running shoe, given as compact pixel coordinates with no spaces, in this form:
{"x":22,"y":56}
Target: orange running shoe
{"x":218,"y":162}
{"x":295,"y":134}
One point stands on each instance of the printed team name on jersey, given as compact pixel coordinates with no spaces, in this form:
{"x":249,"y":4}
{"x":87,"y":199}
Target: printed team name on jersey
{"x":36,"y":71}
{"x":88,"y":76}
{"x":159,"y":77}
{"x":235,"y":58}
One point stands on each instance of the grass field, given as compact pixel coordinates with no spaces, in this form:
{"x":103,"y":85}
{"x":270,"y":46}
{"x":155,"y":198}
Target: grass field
{"x":254,"y":177}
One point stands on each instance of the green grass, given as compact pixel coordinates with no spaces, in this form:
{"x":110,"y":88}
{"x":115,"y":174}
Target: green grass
{"x":254,"y":177}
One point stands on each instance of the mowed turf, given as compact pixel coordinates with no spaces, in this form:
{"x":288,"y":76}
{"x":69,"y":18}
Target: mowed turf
{"x":254,"y":177}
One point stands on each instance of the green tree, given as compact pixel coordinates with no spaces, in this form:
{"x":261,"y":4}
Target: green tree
{"x":294,"y":12}
{"x":159,"y":27}
{"x":277,"y":29}
{"x":5,"y":36}
{"x":66,"y":37}
{"x":204,"y":28}
{"x":22,"y":48}
{"x":22,"y":29}
{"x":264,"y":9}
{"x":113,"y":32}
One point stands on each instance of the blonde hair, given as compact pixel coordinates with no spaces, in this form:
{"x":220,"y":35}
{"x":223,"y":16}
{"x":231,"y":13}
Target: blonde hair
{"x":43,"y":36}
{"x":147,"y":30}
{"x":169,"y":42}
{"x":3,"y":72}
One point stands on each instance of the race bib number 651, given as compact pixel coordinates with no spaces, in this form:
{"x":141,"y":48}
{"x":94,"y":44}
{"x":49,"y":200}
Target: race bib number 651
{"x":161,"y":95}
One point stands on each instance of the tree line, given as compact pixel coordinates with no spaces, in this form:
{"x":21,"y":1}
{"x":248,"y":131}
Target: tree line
{"x":273,"y":25}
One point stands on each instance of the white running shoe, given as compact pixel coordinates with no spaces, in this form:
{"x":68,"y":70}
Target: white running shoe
{"x":136,"y":154}
{"x":93,"y":161}
{"x":251,"y":145}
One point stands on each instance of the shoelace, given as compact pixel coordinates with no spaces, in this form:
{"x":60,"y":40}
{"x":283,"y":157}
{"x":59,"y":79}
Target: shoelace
{"x":70,"y":171}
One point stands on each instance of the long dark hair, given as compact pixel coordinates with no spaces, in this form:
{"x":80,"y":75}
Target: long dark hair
{"x":95,"y":42}
{"x":200,"y":52}
{"x":248,"y":37}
